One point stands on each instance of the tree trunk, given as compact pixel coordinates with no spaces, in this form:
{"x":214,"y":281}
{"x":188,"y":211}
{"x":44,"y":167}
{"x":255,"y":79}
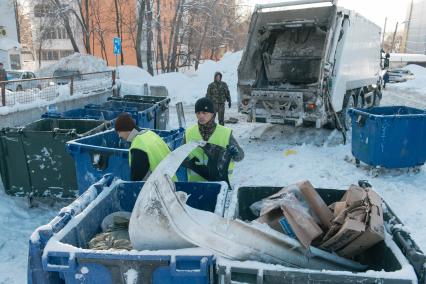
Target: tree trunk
{"x":172,"y":32}
{"x":68,"y":27}
{"x":159,"y":37}
{"x":87,"y":33}
{"x":149,"y":38}
{"x":200,"y":46}
{"x":17,"y":15}
{"x":70,"y":34}
{"x":139,"y":33}
{"x":176,"y":37}
{"x":117,"y":26}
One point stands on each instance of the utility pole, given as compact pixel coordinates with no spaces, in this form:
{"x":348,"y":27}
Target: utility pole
{"x":384,"y":31}
{"x":393,"y":37}
{"x":407,"y":28}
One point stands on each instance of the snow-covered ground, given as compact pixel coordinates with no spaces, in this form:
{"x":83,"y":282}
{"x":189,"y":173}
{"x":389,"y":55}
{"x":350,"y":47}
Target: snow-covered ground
{"x":186,"y":87}
{"x":317,"y":156}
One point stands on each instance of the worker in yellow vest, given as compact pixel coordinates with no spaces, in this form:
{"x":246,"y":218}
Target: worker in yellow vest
{"x":147,"y":149}
{"x":209,"y":162}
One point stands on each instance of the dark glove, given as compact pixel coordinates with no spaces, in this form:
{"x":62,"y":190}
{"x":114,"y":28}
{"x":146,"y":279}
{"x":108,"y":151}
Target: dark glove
{"x":232,"y":151}
{"x":190,"y":163}
{"x":229,"y":104}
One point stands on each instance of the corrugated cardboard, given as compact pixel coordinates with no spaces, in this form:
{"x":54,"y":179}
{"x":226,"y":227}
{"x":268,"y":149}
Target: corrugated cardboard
{"x":349,"y":231}
{"x":316,"y":203}
{"x":374,"y":232}
{"x":272,"y":218}
{"x":303,"y":225}
{"x":338,"y":207}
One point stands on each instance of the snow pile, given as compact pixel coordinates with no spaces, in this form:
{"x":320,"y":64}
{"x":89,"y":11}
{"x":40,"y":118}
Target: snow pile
{"x":419,"y":81}
{"x":77,"y":61}
{"x":186,"y":87}
{"x":17,"y":222}
{"x":411,"y":93}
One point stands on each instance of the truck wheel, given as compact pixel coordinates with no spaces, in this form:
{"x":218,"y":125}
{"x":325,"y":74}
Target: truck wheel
{"x":377,"y":97}
{"x":345,"y":118}
{"x":19,"y":88}
{"x":360,"y":99}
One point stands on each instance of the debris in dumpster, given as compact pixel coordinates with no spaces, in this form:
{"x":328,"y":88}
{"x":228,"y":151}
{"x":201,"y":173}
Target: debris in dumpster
{"x":316,"y":203}
{"x":357,"y":224}
{"x":302,"y":207}
{"x":115,"y":235}
{"x":350,"y":226}
{"x":210,"y":231}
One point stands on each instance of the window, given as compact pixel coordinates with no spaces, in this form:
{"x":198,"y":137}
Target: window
{"x":65,"y":53}
{"x":15,"y":61}
{"x":62,"y":33}
{"x":52,"y":33}
{"x":49,"y":55}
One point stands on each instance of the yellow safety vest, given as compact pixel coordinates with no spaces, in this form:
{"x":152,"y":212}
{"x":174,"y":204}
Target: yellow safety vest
{"x":220,"y":137}
{"x":153,"y":146}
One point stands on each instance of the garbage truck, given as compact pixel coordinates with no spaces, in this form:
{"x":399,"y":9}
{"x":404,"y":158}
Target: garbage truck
{"x":308,"y":64}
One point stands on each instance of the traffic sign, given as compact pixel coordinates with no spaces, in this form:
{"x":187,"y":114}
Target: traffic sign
{"x":117,"y":45}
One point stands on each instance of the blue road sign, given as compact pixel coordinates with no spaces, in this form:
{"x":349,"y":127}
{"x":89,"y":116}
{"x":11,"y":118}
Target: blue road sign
{"x":117,"y":45}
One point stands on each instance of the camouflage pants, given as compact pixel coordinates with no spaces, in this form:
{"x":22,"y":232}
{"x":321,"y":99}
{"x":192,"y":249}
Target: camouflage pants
{"x":219,"y":109}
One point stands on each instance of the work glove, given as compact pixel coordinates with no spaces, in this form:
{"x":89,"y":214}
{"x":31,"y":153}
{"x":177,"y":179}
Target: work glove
{"x":232,"y":151}
{"x":229,"y":104}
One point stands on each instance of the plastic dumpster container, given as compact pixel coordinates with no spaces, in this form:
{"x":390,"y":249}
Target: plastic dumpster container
{"x":386,"y":260}
{"x":82,"y":113}
{"x":144,"y":114}
{"x":34,"y":161}
{"x":389,"y":137}
{"x":105,"y":152}
{"x":58,"y":252}
{"x":162,"y":115}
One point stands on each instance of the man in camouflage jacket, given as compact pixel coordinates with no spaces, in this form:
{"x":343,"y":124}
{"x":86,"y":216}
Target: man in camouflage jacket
{"x":218,"y":92}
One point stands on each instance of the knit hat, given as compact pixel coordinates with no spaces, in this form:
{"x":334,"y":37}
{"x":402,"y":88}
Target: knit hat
{"x":124,"y":122}
{"x":204,"y":104}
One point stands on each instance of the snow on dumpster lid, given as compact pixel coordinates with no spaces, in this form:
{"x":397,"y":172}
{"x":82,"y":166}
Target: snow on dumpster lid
{"x":8,"y":43}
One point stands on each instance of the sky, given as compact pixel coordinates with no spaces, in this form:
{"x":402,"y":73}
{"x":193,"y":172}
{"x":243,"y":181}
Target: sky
{"x":374,"y":10}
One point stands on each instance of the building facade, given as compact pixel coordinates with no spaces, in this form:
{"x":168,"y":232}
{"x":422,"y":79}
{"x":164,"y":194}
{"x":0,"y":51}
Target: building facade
{"x":10,"y":49}
{"x":415,"y":28}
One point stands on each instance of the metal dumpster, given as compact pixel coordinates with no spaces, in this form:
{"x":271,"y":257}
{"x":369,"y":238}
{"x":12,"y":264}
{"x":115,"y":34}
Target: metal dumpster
{"x":145,"y":113}
{"x":34,"y":161}
{"x":58,"y":251}
{"x":389,"y":137}
{"x":395,"y":260}
{"x":105,"y":152}
{"x":162,"y":116}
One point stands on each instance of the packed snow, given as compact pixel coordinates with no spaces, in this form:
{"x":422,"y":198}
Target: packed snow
{"x":82,"y":62}
{"x":186,"y":87}
{"x":280,"y":156}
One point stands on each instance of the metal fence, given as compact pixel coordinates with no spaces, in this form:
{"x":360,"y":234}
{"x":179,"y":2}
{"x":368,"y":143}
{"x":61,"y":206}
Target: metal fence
{"x":27,"y":91}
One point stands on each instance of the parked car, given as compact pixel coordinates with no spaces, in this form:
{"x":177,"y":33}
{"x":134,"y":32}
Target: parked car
{"x":400,"y":75}
{"x":64,"y":76}
{"x":17,"y":75}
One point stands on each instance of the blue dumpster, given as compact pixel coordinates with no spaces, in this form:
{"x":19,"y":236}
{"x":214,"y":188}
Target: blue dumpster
{"x":145,"y":112}
{"x":145,"y":118}
{"x":67,"y":259}
{"x":105,"y":153}
{"x":389,"y":137}
{"x":162,"y":115}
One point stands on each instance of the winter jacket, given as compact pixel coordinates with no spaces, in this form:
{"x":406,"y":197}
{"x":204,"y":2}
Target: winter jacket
{"x":218,"y":91}
{"x":3,"y":75}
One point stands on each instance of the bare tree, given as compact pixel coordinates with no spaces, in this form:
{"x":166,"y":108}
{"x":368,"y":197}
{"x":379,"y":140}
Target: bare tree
{"x":140,"y":21}
{"x":149,"y":37}
{"x":62,"y":11}
{"x":159,"y":38}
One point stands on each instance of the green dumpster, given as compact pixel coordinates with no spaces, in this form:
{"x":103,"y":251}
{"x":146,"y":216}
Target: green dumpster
{"x":34,"y":161}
